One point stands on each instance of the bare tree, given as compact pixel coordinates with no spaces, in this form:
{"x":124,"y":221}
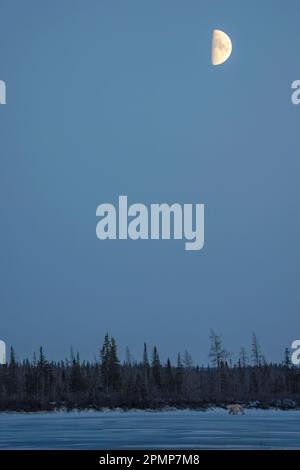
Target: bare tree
{"x":217,"y":353}
{"x":187,"y":360}
{"x":243,"y":357}
{"x":128,"y":357}
{"x":257,"y":356}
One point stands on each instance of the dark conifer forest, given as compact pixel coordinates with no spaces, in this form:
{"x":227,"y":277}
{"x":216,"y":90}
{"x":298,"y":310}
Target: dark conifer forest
{"x":148,"y":383}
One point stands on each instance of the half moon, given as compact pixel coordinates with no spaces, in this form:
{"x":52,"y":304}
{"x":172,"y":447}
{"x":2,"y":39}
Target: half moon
{"x":221,"y":47}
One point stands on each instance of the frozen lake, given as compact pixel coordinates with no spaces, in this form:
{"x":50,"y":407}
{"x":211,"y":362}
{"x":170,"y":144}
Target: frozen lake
{"x":214,"y":429}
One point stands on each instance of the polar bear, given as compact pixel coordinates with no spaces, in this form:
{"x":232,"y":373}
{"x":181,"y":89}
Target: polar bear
{"x":235,"y":409}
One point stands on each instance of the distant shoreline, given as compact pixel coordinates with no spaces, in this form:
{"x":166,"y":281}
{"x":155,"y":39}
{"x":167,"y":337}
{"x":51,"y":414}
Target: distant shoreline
{"x":165,"y":408}
{"x":73,"y":384}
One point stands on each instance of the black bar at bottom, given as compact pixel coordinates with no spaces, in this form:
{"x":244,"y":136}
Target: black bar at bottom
{"x":133,"y":458}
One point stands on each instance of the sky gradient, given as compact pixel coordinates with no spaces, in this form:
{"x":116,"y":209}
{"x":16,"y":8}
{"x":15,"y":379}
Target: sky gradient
{"x":107,"y":98}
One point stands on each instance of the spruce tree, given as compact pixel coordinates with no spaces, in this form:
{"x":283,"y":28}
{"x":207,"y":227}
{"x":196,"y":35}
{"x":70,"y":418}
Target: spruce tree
{"x":12,"y":362}
{"x":156,"y":367}
{"x":179,"y":374}
{"x":169,"y":379}
{"x":105,"y":362}
{"x":114,"y":375}
{"x":287,"y":358}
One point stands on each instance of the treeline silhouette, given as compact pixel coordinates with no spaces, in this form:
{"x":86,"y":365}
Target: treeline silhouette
{"x":43,"y":385}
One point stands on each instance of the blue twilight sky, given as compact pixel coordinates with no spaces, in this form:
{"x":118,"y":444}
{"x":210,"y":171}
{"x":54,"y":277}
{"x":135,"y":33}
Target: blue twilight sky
{"x":118,"y":97}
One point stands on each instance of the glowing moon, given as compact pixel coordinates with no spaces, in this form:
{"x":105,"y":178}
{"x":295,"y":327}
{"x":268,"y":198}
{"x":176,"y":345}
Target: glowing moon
{"x":221,"y":47}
